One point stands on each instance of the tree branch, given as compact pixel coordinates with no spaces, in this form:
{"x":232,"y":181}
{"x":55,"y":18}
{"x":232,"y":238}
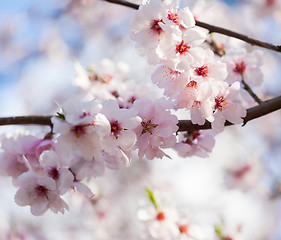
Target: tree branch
{"x":251,"y":92}
{"x":258,"y":111}
{"x":124,"y":3}
{"x":242,"y":37}
{"x":29,"y":120}
{"x":262,"y":109}
{"x":212,"y":28}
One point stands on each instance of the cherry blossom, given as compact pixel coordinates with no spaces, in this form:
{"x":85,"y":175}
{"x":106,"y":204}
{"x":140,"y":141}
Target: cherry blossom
{"x":183,"y":18}
{"x":227,"y":106}
{"x":53,"y":168}
{"x":111,"y":121}
{"x":122,"y":122}
{"x":147,"y":29}
{"x":156,"y":130}
{"x":170,"y":80}
{"x":197,"y":143}
{"x":212,"y":68}
{"x":103,"y":81}
{"x":244,"y":66}
{"x":183,"y":49}
{"x":21,"y":154}
{"x":40,"y":193}
{"x":81,"y":130}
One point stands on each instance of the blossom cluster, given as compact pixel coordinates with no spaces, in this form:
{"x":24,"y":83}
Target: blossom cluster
{"x":192,"y":77}
{"x":90,"y":136}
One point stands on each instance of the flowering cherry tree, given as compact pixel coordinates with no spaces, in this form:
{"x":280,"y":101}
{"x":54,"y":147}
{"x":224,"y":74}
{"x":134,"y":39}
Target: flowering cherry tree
{"x":100,"y":137}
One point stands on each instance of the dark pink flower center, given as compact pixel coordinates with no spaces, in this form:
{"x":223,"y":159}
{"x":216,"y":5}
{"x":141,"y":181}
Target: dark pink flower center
{"x":79,"y":130}
{"x":173,"y":17}
{"x":202,"y":71}
{"x":191,"y":137}
{"x":240,"y":67}
{"x":115,"y":128}
{"x":41,"y":191}
{"x":54,"y":173}
{"x":220,"y":103}
{"x":155,"y":26}
{"x":192,"y":84}
{"x":182,"y":48}
{"x":148,"y":127}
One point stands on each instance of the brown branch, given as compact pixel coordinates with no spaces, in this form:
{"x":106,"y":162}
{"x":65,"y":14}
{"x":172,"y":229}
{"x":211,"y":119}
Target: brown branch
{"x":242,"y":37}
{"x":258,"y":111}
{"x":264,"y":108}
{"x":124,"y":3}
{"x":251,"y":92}
{"x":212,"y":28}
{"x":29,"y":120}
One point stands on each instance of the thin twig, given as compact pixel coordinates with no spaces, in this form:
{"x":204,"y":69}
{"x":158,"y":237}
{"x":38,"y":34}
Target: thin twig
{"x":124,"y":3}
{"x":242,"y":37}
{"x":260,"y":110}
{"x":251,"y":92}
{"x":218,"y":49}
{"x":213,"y":28}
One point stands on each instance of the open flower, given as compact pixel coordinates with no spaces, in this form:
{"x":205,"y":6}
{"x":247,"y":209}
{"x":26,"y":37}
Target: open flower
{"x":81,"y":130}
{"x":40,"y":193}
{"x":53,"y":168}
{"x":227,"y":106}
{"x":157,"y":128}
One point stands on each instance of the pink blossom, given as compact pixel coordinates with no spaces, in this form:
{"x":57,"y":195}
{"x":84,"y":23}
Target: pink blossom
{"x":82,"y":130}
{"x":227,"y":106}
{"x":197,"y":97}
{"x":187,"y":95}
{"x":244,"y":66}
{"x":122,"y":137}
{"x":182,"y":50}
{"x":87,"y":169}
{"x":19,"y":155}
{"x":183,"y":18}
{"x":197,"y":143}
{"x":157,"y":128}
{"x":147,"y":29}
{"x":168,"y":79}
{"x":40,"y":193}
{"x":202,"y":109}
{"x":122,"y":123}
{"x":53,"y":168}
{"x":102,"y":81}
{"x":212,"y":68}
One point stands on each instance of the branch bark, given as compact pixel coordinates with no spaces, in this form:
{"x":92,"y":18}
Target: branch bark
{"x":258,"y":111}
{"x":27,"y":120}
{"x":216,"y":29}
